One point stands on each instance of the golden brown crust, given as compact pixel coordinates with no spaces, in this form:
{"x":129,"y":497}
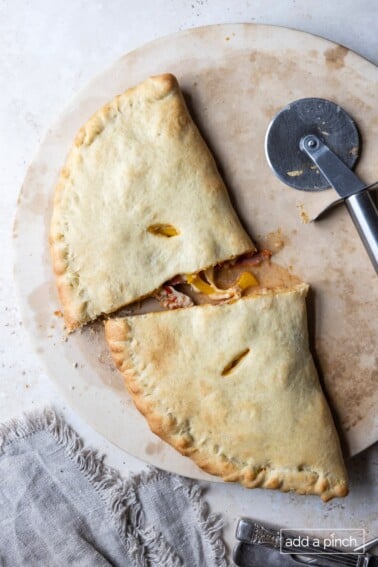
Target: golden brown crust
{"x":296,"y":449}
{"x":138,"y":161}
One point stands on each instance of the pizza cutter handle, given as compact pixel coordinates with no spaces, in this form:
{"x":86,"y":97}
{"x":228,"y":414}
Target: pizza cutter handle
{"x":364,"y":214}
{"x":357,"y":198}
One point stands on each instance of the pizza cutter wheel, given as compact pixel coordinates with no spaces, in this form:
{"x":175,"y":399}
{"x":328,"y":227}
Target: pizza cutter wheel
{"x":311,"y":145}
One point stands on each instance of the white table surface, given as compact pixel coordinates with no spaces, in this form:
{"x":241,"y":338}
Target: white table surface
{"x":49,"y":50}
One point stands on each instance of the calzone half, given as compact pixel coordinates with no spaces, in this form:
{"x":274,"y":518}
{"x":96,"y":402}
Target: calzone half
{"x":139,"y":201}
{"x":234,"y":387}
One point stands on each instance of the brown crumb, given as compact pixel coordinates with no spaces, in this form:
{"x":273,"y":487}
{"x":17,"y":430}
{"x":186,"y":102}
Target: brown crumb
{"x":303,"y":215}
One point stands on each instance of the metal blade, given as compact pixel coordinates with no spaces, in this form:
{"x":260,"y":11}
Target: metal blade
{"x":320,"y":117}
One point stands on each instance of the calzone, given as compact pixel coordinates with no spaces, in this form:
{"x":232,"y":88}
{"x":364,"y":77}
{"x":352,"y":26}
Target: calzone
{"x":139,"y":201}
{"x":234,"y":387}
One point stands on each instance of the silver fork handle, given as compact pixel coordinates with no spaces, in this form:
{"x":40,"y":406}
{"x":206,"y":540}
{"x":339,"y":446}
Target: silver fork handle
{"x":364,"y":214}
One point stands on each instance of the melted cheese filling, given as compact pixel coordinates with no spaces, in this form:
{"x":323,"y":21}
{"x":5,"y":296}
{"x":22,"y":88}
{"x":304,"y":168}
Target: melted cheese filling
{"x":225,"y":283}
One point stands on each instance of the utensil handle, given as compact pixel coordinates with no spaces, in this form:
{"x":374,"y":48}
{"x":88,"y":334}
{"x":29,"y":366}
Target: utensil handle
{"x":364,"y":214}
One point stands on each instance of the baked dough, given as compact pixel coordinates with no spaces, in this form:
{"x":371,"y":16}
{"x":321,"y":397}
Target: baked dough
{"x":234,"y":387}
{"x":139,"y":201}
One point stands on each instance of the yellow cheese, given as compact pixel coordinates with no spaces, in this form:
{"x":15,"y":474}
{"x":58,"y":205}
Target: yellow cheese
{"x":163,"y":230}
{"x":245,"y":280}
{"x":200,"y":285}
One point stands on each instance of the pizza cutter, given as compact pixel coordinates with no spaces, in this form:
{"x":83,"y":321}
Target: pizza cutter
{"x":312,"y":144}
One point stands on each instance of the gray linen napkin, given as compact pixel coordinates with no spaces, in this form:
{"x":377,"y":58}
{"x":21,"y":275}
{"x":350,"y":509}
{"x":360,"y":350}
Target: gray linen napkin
{"x":61,"y":505}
